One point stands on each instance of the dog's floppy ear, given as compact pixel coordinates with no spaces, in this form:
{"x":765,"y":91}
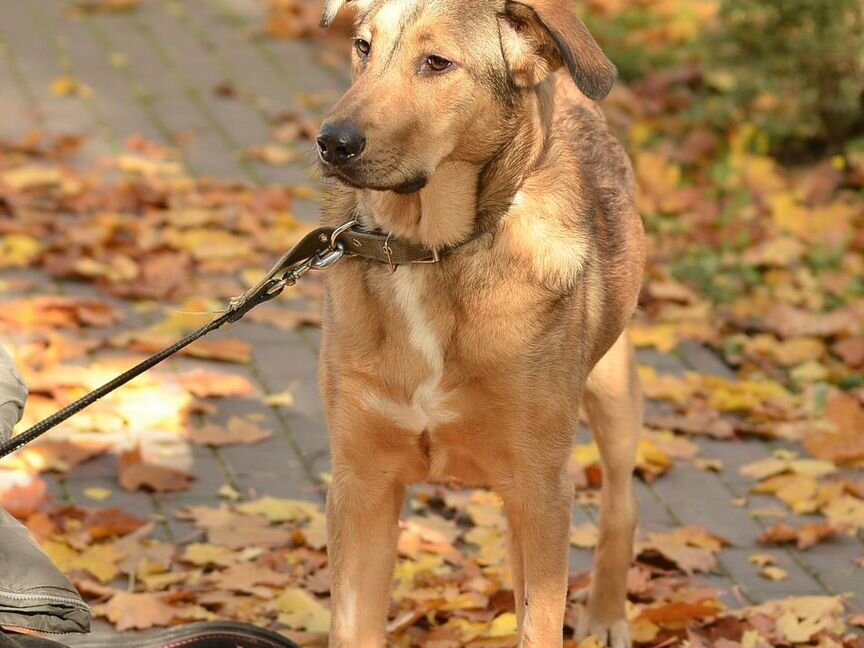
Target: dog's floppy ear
{"x":331,"y":8}
{"x":539,"y":36}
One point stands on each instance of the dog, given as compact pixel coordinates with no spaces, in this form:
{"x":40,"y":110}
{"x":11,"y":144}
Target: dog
{"x":471,"y":130}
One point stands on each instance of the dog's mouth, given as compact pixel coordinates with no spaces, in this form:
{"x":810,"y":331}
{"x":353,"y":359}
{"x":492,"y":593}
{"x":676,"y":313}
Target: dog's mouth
{"x":348,"y":176}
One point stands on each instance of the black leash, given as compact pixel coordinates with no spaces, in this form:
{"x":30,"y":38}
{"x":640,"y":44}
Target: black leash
{"x":318,"y":250}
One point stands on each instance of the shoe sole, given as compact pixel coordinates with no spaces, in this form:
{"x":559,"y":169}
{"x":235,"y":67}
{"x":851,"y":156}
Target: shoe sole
{"x":214,"y":634}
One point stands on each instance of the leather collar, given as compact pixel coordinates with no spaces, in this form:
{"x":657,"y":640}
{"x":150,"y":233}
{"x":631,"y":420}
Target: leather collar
{"x":388,"y":249}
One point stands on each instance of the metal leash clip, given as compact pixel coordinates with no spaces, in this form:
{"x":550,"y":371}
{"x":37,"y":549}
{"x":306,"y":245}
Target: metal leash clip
{"x":288,"y":272}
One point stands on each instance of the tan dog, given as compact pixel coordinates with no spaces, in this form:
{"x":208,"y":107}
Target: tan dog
{"x":461,"y":134}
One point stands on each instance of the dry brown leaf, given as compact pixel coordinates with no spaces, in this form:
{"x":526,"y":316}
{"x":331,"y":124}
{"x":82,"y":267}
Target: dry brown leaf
{"x":804,"y":537}
{"x":677,"y":613}
{"x":691,"y":549}
{"x":135,"y":474}
{"x":774,"y":573}
{"x":237,"y":432}
{"x":129,"y":611}
{"x":845,"y":444}
{"x":22,"y":498}
{"x":61,"y":456}
{"x":211,"y":384}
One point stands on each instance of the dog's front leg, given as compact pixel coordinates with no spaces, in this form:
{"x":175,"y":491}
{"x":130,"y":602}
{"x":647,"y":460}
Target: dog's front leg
{"x":362,"y":528}
{"x":538,"y":511}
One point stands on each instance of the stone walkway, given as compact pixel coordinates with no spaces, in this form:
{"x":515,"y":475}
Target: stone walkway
{"x":152,"y":73}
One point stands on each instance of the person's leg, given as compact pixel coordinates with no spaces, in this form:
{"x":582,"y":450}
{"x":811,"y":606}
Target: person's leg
{"x":13,"y":393}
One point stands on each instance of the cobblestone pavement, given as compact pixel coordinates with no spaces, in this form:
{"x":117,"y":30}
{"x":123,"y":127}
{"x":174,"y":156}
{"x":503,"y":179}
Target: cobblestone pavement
{"x":152,"y":73}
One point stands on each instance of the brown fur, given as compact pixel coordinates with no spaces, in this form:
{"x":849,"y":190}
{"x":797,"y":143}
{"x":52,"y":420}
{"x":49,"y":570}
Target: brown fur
{"x":473,"y":370}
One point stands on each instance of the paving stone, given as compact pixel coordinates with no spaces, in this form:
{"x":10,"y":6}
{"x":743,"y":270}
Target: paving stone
{"x":167,"y":98}
{"x":735,"y":561}
{"x":40,"y":67}
{"x":663,"y":363}
{"x":734,"y":453}
{"x":113,"y":98}
{"x":198,"y":70}
{"x":833,"y":563}
{"x":15,"y":106}
{"x":653,"y":515}
{"x":700,"y":498}
{"x":702,"y":359}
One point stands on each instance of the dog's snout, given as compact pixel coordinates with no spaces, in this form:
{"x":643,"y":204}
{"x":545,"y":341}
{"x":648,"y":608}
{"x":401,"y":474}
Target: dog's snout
{"x":340,"y":142}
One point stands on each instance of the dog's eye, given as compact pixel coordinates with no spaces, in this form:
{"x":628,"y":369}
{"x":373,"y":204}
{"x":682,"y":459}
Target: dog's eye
{"x":363,"y":47}
{"x":436,"y":64}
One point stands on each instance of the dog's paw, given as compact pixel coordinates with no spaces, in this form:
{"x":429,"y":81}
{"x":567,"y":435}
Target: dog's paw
{"x":612,"y":634}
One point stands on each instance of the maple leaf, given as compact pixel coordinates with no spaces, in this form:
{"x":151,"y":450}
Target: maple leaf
{"x":805,"y":536}
{"x":19,"y":250}
{"x":301,"y":611}
{"x":61,"y":456}
{"x":678,"y":613}
{"x":243,"y":577}
{"x":131,"y":611}
{"x":281,"y":510}
{"x":135,"y":474}
{"x":210,"y":384}
{"x":23,"y":495}
{"x":99,"y":560}
{"x":237,"y":432}
{"x":845,"y":444}
{"x":691,"y":549}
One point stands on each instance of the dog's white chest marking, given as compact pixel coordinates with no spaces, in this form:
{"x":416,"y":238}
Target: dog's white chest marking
{"x":429,"y":405}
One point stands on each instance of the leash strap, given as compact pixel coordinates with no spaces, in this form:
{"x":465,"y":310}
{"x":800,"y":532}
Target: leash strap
{"x":318,"y":250}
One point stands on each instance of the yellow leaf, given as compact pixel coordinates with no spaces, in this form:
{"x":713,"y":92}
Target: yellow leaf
{"x":207,"y":554}
{"x":774,"y":573}
{"x":762,"y":560}
{"x":503,"y":626}
{"x":845,"y":510}
{"x":584,"y":536}
{"x":299,"y":610}
{"x":643,"y":631}
{"x":208,"y":244}
{"x":31,"y":177}
{"x":69,"y":86}
{"x":282,"y":399}
{"x":665,"y":387}
{"x":663,"y":337}
{"x":407,"y":570}
{"x":98,"y":494}
{"x":280,"y":510}
{"x":18,"y":250}
{"x":147,"y":167}
{"x":98,"y":560}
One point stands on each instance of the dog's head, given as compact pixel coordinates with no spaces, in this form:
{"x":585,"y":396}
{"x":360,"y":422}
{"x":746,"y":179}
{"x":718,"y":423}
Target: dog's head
{"x":435,"y":80}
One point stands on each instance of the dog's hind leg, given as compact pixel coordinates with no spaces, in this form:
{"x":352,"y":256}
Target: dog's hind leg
{"x":613,"y":403}
{"x":362,"y":533}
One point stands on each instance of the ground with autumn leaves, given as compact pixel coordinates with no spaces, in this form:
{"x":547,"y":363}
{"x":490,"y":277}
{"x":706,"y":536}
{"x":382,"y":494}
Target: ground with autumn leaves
{"x":154,"y":157}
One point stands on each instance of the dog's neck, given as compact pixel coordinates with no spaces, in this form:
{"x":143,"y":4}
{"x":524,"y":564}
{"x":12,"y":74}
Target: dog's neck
{"x":464,"y":199}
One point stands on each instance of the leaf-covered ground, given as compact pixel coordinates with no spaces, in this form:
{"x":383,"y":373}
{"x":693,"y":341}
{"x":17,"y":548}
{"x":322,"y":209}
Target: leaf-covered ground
{"x":108,"y":253}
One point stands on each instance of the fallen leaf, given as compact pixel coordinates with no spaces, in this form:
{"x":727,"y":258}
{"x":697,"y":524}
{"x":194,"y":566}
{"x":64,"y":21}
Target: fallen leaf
{"x":237,"y":432}
{"x":135,"y":474}
{"x":774,"y":573}
{"x":211,"y":384}
{"x":280,"y":510}
{"x":301,"y":611}
{"x":804,"y":537}
{"x":584,"y":536}
{"x":131,"y":611}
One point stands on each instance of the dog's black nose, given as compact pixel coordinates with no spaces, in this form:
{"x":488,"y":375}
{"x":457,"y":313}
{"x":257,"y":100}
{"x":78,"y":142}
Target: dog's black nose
{"x":340,"y":142}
